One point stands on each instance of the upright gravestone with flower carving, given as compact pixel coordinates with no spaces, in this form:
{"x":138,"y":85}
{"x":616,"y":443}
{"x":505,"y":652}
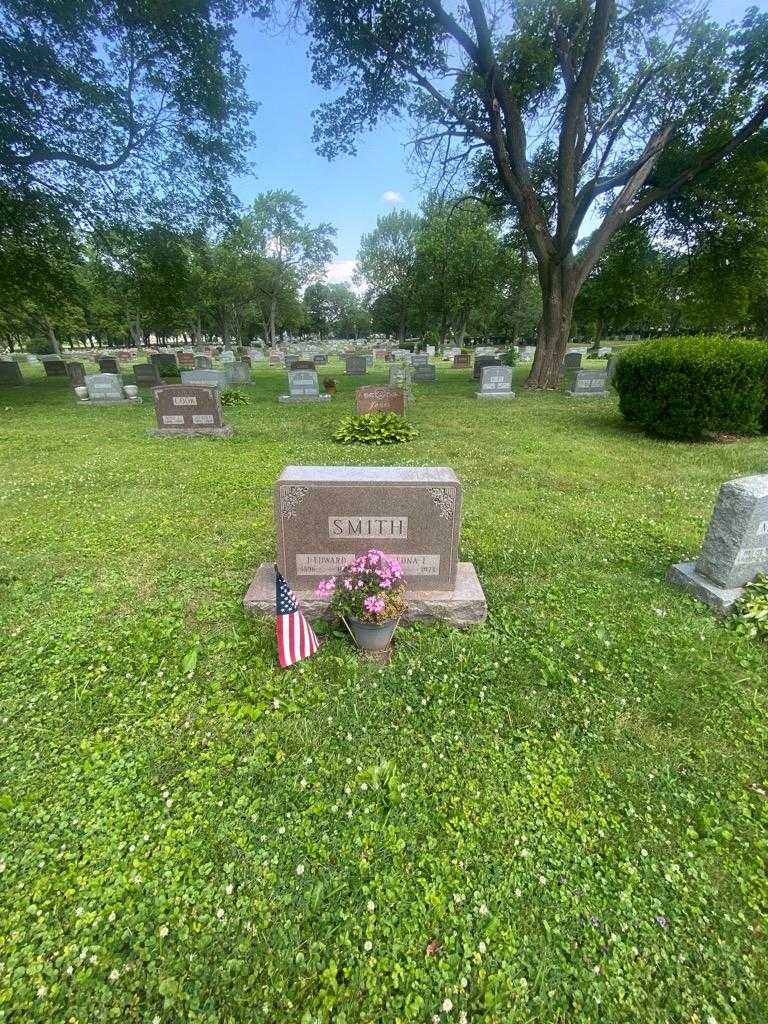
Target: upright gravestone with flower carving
{"x":328,"y":515}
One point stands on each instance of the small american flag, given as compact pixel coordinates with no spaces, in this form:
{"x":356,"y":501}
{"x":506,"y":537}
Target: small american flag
{"x":295,"y":636}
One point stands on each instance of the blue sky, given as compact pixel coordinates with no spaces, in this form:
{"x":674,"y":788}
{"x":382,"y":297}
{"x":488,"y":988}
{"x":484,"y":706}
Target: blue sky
{"x":350,"y":191}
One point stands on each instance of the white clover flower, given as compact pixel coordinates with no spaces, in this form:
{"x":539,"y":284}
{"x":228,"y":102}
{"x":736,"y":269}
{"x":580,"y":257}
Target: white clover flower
{"x":483,"y":909}
{"x":299,"y":869}
{"x":447,"y":1006}
{"x":163,"y":930}
{"x":368,"y":946}
{"x":112,"y":917}
{"x":220,"y":913}
{"x":230,"y":889}
{"x":371,"y":906}
{"x":114,"y":974}
{"x":482,"y":946}
{"x":42,"y":992}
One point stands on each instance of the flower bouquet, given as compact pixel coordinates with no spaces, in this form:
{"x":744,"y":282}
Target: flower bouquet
{"x":369,"y":596}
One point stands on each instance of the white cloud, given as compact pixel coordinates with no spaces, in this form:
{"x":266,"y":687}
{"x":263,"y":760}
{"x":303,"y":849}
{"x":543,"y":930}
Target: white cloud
{"x":390,"y":196}
{"x":342,"y":272}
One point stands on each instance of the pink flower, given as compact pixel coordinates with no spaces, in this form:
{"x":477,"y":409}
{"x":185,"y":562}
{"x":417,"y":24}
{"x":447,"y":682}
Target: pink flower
{"x":374,"y":604}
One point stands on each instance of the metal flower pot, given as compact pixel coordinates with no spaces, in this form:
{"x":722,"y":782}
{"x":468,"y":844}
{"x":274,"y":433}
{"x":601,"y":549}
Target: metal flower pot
{"x":372,"y":636}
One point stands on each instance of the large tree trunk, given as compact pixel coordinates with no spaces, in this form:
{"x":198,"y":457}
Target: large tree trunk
{"x":136,"y":335}
{"x":554,"y":329}
{"x":272,"y":320}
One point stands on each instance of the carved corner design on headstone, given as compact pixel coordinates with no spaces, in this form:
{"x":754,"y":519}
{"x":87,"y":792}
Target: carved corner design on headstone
{"x":291,"y":499}
{"x":445,"y":501}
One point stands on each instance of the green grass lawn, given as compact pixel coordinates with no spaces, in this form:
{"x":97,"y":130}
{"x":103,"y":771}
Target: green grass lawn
{"x":558,"y":816}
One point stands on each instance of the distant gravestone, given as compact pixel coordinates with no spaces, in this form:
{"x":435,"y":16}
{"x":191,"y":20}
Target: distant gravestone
{"x":301,"y":364}
{"x":480,"y":362}
{"x":379,"y":399}
{"x":189,"y":410}
{"x":212,"y":378}
{"x":202,"y":362}
{"x":496,"y":382}
{"x":586,"y":383}
{"x":108,"y":364}
{"x":431,"y":350}
{"x":604,"y":352}
{"x":320,"y":359}
{"x":400,"y":377}
{"x":419,"y":359}
{"x":106,"y":389}
{"x":572,"y":361}
{"x":356,"y":366}
{"x":237,"y":373}
{"x":424,"y":374}
{"x":55,"y":367}
{"x":227,"y":356}
{"x":10,"y":373}
{"x":735,"y":549}
{"x":303,"y":386}
{"x":76,"y":374}
{"x":612,"y":363}
{"x":461,"y":361}
{"x":146,"y":374}
{"x":186,"y":360}
{"x":165,"y":360}
{"x":526,"y":353}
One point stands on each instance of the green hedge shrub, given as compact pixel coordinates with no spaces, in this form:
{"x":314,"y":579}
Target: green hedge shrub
{"x":684,"y":388}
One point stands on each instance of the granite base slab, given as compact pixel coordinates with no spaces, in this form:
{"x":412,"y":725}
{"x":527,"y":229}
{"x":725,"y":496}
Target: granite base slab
{"x":227,"y":431}
{"x":298,"y":399}
{"x":720,"y":599}
{"x":508,"y":394}
{"x":465,"y":605}
{"x":115,"y":401}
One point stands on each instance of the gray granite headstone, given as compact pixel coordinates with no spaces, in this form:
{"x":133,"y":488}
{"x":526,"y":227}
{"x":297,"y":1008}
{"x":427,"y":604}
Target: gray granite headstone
{"x":419,"y":359}
{"x":55,"y":367}
{"x":186,"y":410}
{"x":572,"y":361}
{"x":320,"y":359}
{"x":237,"y":373}
{"x":213,"y":378}
{"x":303,"y":386}
{"x":496,"y":382}
{"x":108,"y":364}
{"x":356,"y":366}
{"x":165,"y":361}
{"x":425,"y":374}
{"x":104,"y":388}
{"x":735,"y":548}
{"x":227,"y":356}
{"x":203,"y":362}
{"x":400,"y":377}
{"x":146,"y":374}
{"x":586,"y":383}
{"x":10,"y":372}
{"x":612,"y":364}
{"x":76,"y":374}
{"x":480,"y":362}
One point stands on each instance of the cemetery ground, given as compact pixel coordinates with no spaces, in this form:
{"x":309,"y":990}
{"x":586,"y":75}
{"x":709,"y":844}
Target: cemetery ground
{"x":558,"y":816}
